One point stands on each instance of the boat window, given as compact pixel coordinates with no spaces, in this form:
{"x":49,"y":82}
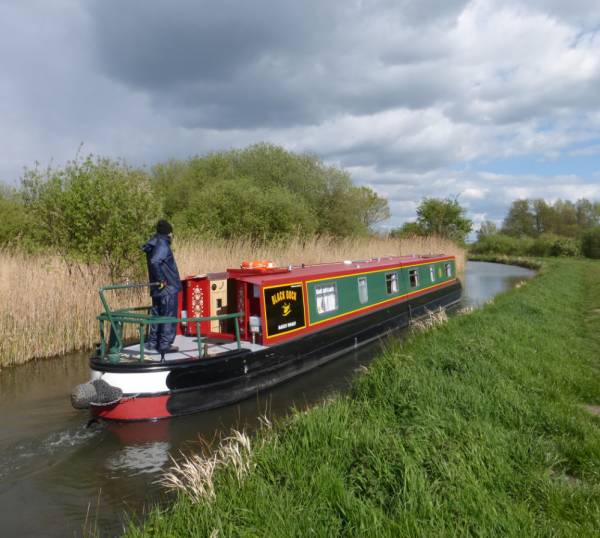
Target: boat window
{"x":448,"y":269}
{"x":363,"y":290}
{"x":413,"y":276}
{"x":326,"y":297}
{"x":432,"y":273}
{"x":391,"y":282}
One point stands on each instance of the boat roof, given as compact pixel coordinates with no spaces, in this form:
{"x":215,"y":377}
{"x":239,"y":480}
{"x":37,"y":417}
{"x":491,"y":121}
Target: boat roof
{"x":295,"y":273}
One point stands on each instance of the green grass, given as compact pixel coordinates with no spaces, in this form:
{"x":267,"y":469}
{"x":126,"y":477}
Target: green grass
{"x":475,"y":428}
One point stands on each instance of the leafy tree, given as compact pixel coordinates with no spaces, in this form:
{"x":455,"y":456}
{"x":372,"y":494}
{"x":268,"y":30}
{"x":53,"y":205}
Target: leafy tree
{"x":520,"y":220}
{"x":95,"y":211}
{"x":240,"y":208}
{"x":558,"y":229}
{"x":373,"y":209}
{"x":590,"y":243}
{"x":339,"y":210}
{"x":15,"y":224}
{"x":566,"y":218}
{"x":408,"y":229}
{"x":487,"y":229}
{"x":336,"y":205}
{"x":586,"y":214}
{"x":544,"y":216}
{"x":445,"y":218}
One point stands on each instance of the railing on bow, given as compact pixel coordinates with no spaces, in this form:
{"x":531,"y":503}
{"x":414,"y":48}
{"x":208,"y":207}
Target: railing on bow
{"x":140,"y":316}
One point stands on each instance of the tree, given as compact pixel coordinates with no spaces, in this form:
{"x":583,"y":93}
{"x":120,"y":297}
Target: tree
{"x":337,"y":207}
{"x":487,"y":229}
{"x":544,"y":217}
{"x":15,"y":225}
{"x":520,"y":220}
{"x":566,"y":218}
{"x":97,"y":211}
{"x":445,"y":218}
{"x":240,"y":208}
{"x":585,"y":213}
{"x":408,"y":229}
{"x":590,"y":243}
{"x":372,"y":208}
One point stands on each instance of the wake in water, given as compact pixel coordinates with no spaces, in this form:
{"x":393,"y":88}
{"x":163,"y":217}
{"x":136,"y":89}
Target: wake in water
{"x":32,"y":455}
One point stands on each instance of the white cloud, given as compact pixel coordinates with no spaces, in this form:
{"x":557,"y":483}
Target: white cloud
{"x":585,"y":151}
{"x":414,"y":98}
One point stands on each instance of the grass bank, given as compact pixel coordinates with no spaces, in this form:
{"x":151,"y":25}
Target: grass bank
{"x":475,"y":428}
{"x":522,"y":261}
{"x":49,"y":307}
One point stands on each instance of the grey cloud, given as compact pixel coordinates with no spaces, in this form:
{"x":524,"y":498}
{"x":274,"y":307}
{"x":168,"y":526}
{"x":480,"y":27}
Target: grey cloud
{"x":166,"y":43}
{"x":394,"y":157}
{"x":427,"y":11}
{"x":584,"y":13}
{"x":401,"y":92}
{"x":265,"y":63}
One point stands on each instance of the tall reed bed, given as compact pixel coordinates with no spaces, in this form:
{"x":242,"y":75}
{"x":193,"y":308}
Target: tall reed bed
{"x":193,"y":257}
{"x":49,"y":307}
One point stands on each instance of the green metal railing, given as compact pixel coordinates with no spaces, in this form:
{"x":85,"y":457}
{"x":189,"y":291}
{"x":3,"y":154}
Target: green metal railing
{"x":140,"y":316}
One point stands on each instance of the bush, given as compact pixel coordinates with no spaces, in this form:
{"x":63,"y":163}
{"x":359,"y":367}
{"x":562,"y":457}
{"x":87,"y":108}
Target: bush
{"x":590,"y":243}
{"x":321,"y":199}
{"x":544,"y":245}
{"x":15,"y":225}
{"x":554,"y":245}
{"x":503,"y":244}
{"x":237,"y":209}
{"x":565,"y":246}
{"x":93,"y":211}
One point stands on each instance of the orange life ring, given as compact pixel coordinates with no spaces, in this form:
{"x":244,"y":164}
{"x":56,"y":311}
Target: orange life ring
{"x":256,"y":264}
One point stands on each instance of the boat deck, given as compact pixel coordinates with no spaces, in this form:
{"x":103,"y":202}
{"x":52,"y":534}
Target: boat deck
{"x":188,"y":349}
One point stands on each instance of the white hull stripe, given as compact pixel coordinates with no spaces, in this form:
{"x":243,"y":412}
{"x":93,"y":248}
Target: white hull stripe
{"x":135,"y":382}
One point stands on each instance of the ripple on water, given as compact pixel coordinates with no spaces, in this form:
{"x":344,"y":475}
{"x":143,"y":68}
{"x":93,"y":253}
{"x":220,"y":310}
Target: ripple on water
{"x":22,"y":457}
{"x":140,"y":459}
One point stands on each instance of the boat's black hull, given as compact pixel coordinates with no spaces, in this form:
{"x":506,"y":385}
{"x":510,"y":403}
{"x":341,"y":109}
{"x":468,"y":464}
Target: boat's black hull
{"x":195,"y":386}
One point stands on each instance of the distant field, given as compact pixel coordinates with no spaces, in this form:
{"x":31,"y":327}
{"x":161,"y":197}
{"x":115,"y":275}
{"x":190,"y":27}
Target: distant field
{"x":49,"y":307}
{"x":485,"y":425}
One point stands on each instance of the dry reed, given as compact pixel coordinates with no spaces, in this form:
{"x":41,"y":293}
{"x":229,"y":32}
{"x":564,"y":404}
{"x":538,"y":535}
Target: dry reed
{"x":431,"y":319}
{"x":194,"y":474}
{"x":49,"y":307}
{"x":216,"y":255}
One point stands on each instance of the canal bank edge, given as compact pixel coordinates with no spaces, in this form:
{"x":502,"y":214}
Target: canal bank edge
{"x":475,"y":427}
{"x":521,"y":261}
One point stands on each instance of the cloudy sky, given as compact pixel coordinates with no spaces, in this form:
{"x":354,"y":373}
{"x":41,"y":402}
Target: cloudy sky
{"x":489,"y":100}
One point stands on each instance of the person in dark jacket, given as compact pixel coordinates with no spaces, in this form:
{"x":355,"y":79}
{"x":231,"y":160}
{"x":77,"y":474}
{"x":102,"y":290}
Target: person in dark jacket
{"x":162,"y":269}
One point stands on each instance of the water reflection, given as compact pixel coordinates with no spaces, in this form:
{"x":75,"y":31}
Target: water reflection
{"x":58,"y":477}
{"x":483,"y":280}
{"x":139,"y":458}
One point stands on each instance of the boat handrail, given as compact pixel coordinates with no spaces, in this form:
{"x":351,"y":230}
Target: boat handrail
{"x":131,"y":315}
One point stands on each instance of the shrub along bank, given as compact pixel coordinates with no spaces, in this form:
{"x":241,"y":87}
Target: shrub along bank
{"x":521,"y":261}
{"x":475,"y":428}
{"x":543,"y":245}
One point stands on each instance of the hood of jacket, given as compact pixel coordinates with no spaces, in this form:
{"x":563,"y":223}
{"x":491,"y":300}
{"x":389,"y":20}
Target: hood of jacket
{"x":149,"y":245}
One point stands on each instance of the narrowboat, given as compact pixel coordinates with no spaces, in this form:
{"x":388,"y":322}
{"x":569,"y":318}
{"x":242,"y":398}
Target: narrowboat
{"x":249,"y":328}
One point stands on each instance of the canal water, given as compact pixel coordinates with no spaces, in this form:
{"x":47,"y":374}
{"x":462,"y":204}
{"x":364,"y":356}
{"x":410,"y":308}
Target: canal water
{"x":59,"y":478}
